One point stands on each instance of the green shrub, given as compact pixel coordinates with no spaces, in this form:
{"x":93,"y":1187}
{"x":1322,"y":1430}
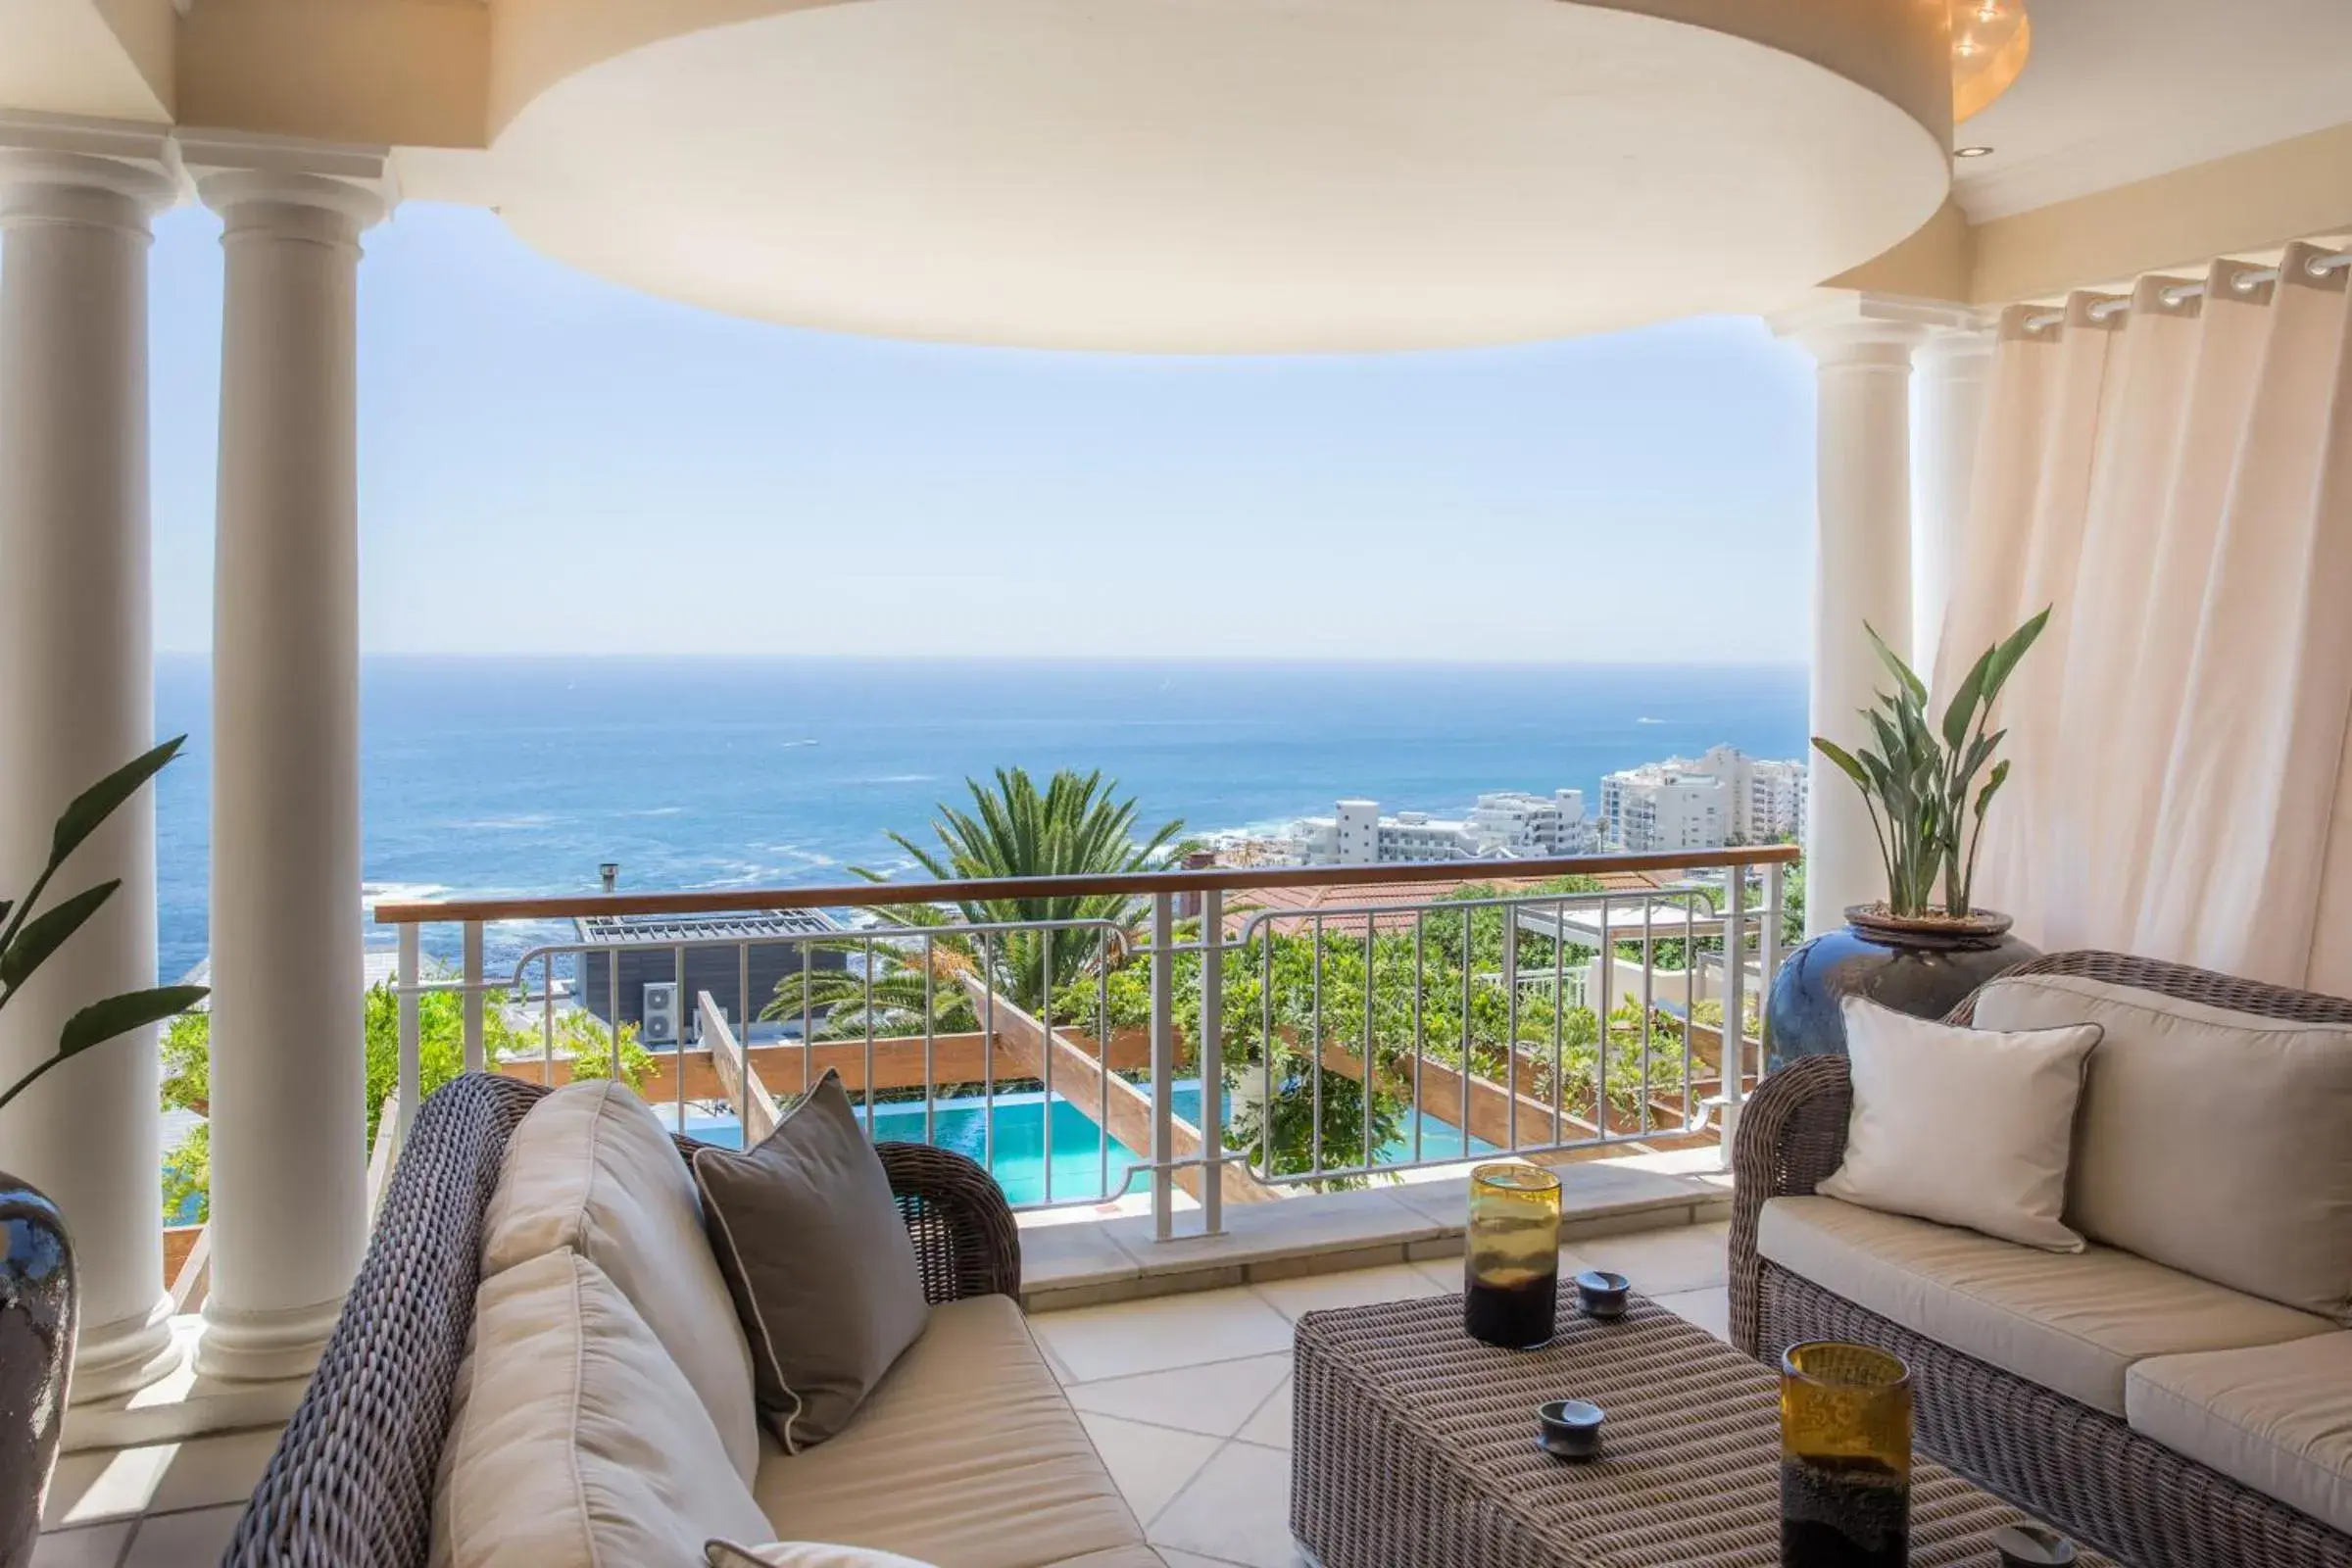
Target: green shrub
{"x":589,"y":1043}
{"x":440,"y":1057}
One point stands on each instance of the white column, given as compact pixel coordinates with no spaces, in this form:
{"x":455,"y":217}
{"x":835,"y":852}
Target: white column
{"x":289,"y":1198}
{"x":1954,"y":367}
{"x":76,"y":701}
{"x":1861,"y":573}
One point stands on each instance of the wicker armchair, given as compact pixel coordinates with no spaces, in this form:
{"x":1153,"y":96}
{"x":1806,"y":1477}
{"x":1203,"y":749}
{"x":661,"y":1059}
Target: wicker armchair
{"x":2081,"y":1469}
{"x":351,"y":1485}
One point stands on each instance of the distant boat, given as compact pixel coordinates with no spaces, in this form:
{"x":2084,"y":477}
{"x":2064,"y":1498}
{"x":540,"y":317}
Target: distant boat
{"x":1650,"y":721}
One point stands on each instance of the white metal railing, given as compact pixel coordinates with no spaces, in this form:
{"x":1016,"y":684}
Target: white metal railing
{"x":1234,"y":1054}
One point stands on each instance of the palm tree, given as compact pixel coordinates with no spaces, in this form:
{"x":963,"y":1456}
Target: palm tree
{"x":1077,"y":826}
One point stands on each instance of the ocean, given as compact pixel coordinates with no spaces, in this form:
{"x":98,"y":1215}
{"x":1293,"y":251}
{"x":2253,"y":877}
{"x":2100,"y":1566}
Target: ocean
{"x":501,"y":776}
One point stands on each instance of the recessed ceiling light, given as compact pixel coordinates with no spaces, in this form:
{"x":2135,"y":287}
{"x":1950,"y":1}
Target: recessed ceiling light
{"x":1970,"y":152}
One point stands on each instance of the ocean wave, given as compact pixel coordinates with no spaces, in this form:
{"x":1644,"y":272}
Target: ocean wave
{"x":751,"y":874}
{"x":796,"y":853}
{"x":373,"y":894}
{"x":520,"y":823}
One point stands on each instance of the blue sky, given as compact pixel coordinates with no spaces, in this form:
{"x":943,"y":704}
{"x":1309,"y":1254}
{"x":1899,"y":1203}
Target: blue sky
{"x":551,"y":464}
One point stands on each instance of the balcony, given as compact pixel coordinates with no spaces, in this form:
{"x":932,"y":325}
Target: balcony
{"x":1119,"y":1085}
{"x":1161,"y":1121}
{"x":2090,"y":359}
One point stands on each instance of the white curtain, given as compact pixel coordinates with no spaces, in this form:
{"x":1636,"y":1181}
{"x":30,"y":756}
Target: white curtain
{"x":2176,"y":481}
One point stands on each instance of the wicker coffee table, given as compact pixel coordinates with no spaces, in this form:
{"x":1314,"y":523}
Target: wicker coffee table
{"x":1413,"y":1446}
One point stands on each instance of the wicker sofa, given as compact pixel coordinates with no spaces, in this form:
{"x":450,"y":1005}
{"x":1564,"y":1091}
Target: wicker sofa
{"x":352,"y":1483}
{"x":2090,"y":1470}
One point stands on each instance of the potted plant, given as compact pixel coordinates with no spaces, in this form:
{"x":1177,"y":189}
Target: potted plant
{"x":1926,"y":945}
{"x":37,"y":1295}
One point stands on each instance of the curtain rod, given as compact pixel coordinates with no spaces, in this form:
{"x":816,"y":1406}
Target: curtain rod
{"x":2243,"y":282}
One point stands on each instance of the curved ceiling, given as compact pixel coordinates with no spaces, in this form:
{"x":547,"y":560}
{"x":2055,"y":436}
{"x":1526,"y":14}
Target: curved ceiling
{"x":1216,"y":176}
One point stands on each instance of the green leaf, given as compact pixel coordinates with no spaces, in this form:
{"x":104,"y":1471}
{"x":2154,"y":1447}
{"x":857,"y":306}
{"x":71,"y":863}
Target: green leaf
{"x":1880,"y":789}
{"x":1980,"y":752}
{"x":93,"y":806}
{"x":46,"y":932}
{"x":1919,"y":742}
{"x":2000,"y":776}
{"x":2005,"y":656}
{"x":1844,"y":760}
{"x":100,"y":1021}
{"x":1962,"y":711}
{"x":1883,"y":779}
{"x":1894,"y":661}
{"x":1890,"y":738}
{"x":1968,"y":877}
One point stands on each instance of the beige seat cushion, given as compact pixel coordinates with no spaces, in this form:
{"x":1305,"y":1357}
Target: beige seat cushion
{"x":591,"y":1170}
{"x":574,"y":1442}
{"x":2217,"y":1142}
{"x":2278,"y":1418}
{"x":2072,"y":1322}
{"x":968,"y":1455}
{"x":804,"y":1555}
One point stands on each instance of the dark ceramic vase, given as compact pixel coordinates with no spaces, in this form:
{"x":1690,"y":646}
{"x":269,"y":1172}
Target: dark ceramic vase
{"x":1923,"y":968}
{"x":37,"y":1357}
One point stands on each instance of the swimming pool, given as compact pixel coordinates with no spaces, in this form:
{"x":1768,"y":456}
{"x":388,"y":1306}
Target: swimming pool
{"x":1084,"y":1165}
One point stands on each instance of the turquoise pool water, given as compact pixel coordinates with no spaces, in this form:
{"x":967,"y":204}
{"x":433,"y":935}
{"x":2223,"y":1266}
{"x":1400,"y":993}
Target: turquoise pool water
{"x":1020,"y":1148}
{"x":1020,"y":1155}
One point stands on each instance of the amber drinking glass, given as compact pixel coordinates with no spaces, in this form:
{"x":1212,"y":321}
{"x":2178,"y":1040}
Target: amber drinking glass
{"x":1845,"y":1457}
{"x":1511,"y":1261}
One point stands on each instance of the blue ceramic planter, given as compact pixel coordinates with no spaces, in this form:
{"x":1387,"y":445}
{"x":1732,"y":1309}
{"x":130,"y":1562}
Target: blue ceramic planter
{"x":37,"y":1357}
{"x":1921,"y":968}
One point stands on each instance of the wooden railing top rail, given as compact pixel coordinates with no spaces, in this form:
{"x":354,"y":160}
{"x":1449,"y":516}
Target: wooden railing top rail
{"x":1226,"y":879}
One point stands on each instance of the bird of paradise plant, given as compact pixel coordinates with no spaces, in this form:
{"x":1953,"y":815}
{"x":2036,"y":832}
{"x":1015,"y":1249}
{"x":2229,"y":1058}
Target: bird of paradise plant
{"x":1918,"y":780}
{"x":28,"y":940}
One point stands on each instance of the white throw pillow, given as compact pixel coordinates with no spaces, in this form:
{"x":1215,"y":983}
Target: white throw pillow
{"x":804,"y":1555}
{"x":591,"y":1170}
{"x":574,"y":1442}
{"x":1967,"y":1127}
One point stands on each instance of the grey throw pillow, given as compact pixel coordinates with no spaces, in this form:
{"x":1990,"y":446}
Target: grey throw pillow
{"x":813,"y":1249}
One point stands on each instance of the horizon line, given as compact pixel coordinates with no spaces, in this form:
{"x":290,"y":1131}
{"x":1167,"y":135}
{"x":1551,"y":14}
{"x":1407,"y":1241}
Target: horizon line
{"x":1366,"y":661}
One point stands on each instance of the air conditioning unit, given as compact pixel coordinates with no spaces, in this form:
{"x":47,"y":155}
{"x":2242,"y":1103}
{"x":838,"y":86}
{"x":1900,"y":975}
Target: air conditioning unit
{"x":660,"y":1014}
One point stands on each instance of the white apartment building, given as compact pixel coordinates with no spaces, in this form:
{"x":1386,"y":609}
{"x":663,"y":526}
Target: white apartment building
{"x":1767,"y":799}
{"x":1662,"y":805}
{"x":1517,"y":824}
{"x":1724,"y":797}
{"x":1358,"y":834}
{"x":1721,"y":797}
{"x":1777,"y":795}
